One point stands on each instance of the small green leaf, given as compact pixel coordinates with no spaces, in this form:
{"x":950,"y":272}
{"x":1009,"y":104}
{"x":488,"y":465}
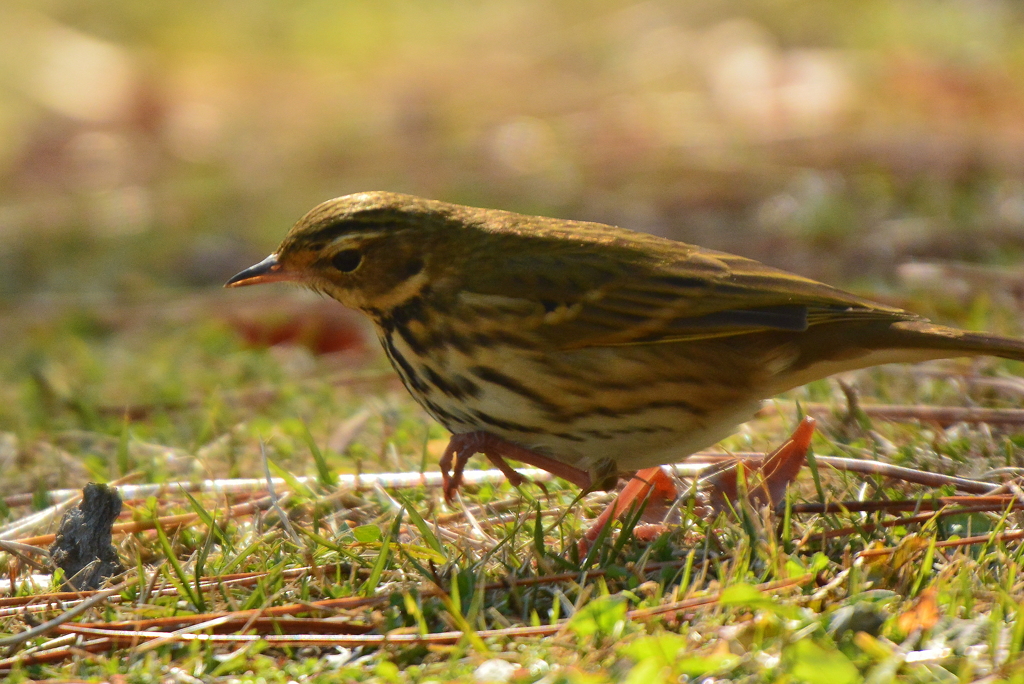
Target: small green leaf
{"x":367,"y":534}
{"x":698,"y":666}
{"x":538,"y":532}
{"x":817,"y":665}
{"x":819,"y":562}
{"x":172,"y":560}
{"x":1017,"y":635}
{"x":663,"y":648}
{"x":243,"y":555}
{"x":649,"y":672}
{"x":328,"y":544}
{"x":387,"y":671}
{"x":601,"y":617}
{"x":794,"y":568}
{"x":745,"y":596}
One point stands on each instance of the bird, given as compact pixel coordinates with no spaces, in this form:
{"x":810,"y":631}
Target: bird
{"x":588,"y":350}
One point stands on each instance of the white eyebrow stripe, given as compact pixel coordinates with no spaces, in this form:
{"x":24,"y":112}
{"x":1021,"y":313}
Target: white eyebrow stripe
{"x":355,"y":238}
{"x":362,"y":236}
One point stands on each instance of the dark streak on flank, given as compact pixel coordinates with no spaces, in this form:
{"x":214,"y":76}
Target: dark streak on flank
{"x":496,"y":377}
{"x":442,"y":416}
{"x":458,"y":388}
{"x":730,"y":289}
{"x":640,"y":408}
{"x":430,"y":338}
{"x":398,"y":319}
{"x":569,"y":436}
{"x":511,"y":338}
{"x":660,"y":296}
{"x":484,"y":341}
{"x":598,"y":383}
{"x":461,"y":343}
{"x":410,"y":379}
{"x":614,"y":318}
{"x":643,"y":430}
{"x":508,"y":425}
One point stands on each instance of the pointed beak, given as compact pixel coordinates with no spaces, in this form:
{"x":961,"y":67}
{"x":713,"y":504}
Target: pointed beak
{"x":267,"y":271}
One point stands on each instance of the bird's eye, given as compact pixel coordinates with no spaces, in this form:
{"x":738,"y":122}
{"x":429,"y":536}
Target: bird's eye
{"x":347,"y":260}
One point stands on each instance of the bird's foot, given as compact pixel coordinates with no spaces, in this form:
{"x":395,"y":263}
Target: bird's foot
{"x":462,"y":446}
{"x":650,"y":486}
{"x":766,"y":485}
{"x":766,"y":482}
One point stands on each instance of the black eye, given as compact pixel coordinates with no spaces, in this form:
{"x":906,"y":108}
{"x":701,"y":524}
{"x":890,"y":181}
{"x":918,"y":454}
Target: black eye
{"x":347,"y":260}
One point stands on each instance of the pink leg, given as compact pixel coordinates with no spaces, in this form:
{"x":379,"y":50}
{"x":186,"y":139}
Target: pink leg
{"x":460,"y":450}
{"x":514,"y":478}
{"x":461,"y":447}
{"x":649,"y":483}
{"x":766,"y":482}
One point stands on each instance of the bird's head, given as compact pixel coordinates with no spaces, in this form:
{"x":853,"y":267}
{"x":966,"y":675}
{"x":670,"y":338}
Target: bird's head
{"x":370,"y":250}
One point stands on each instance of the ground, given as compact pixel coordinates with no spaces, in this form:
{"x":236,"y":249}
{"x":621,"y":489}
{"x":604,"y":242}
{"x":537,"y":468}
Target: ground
{"x":143,"y":393}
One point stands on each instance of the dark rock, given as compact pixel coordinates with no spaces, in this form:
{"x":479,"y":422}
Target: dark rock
{"x":82,"y":548}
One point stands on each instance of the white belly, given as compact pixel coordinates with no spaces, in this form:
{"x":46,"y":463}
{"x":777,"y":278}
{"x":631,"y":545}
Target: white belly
{"x":559,"y":414}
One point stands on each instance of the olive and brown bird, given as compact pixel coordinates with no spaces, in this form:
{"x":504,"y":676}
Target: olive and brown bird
{"x":584,"y":349}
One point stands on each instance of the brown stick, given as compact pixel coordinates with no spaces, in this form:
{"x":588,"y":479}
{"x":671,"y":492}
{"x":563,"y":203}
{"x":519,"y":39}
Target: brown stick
{"x":942,"y":415}
{"x":167,"y":522}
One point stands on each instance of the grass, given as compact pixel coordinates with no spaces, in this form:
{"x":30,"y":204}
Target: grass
{"x":252,"y":112}
{"x":389,"y":584}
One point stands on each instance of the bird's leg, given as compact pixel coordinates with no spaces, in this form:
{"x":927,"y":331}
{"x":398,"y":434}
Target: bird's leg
{"x":462,"y":446}
{"x":514,"y":478}
{"x":783,"y":465}
{"x":496,"y":446}
{"x":767,"y":484}
{"x":646,"y":486}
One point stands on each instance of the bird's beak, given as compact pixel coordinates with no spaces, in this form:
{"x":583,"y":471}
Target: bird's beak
{"x":267,"y":271}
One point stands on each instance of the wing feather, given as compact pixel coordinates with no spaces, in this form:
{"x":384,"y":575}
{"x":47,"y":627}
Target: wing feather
{"x":645,"y":290}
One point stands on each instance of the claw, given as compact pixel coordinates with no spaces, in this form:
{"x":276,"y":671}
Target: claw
{"x":463,"y":446}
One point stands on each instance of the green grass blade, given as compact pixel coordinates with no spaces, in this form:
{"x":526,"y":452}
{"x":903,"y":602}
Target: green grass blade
{"x":208,"y":520}
{"x":324,"y":475}
{"x":183,"y":584}
{"x":421,"y":525}
{"x":373,"y":580}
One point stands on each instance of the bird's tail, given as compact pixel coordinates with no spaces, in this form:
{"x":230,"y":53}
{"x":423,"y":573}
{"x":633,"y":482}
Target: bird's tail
{"x":873,"y":343}
{"x":933,"y":339}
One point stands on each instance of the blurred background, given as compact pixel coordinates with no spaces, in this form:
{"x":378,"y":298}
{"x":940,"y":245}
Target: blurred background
{"x":149,"y":151}
{"x":154,"y":145}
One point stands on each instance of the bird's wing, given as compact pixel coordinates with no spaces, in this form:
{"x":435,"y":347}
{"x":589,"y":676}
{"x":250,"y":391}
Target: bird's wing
{"x":591,"y":300}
